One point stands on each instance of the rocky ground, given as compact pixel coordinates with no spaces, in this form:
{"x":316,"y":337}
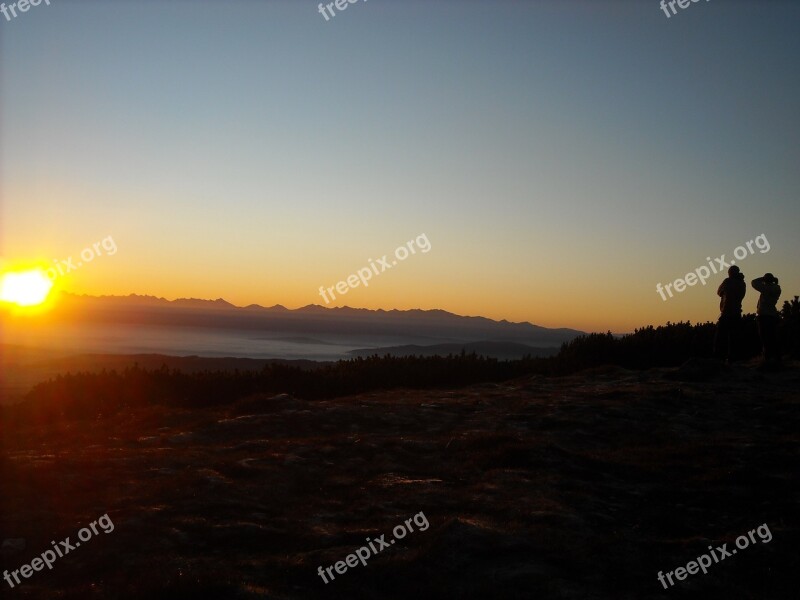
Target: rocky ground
{"x":576,"y":487}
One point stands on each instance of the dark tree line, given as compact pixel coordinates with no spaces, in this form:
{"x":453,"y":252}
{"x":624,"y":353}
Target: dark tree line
{"x":88,"y":395}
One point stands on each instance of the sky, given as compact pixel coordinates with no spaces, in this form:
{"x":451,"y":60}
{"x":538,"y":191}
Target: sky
{"x":561,"y":158}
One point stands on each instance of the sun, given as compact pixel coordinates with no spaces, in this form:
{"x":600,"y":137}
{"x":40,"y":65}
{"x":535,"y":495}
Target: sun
{"x":25,"y":288}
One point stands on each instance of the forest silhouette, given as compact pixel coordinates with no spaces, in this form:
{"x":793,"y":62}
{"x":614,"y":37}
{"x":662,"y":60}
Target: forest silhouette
{"x":90,"y":395}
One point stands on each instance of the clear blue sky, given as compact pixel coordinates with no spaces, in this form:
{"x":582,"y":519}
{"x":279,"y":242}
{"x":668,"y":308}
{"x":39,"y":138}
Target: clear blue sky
{"x":562,"y":157}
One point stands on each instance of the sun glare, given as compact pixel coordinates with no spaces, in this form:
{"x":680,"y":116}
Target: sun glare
{"x":26,"y":288}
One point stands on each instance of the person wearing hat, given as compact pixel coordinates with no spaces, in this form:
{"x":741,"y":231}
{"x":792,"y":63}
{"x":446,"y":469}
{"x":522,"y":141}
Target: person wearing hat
{"x":731,"y":293}
{"x":768,"y":316}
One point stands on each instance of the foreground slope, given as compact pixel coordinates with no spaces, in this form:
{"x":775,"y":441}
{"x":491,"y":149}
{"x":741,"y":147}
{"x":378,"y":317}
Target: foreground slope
{"x":578,"y":487}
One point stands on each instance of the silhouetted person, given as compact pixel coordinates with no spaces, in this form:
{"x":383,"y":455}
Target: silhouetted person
{"x":731,"y":291}
{"x":768,"y":316}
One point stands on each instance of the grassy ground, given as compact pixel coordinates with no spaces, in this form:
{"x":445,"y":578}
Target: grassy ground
{"x":576,"y":487}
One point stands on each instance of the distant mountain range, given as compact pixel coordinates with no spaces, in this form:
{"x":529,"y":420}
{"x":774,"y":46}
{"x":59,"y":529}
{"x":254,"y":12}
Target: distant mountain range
{"x":436,"y":326}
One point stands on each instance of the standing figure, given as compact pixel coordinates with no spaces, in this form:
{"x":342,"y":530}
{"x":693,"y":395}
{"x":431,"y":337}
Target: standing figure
{"x":768,"y":317}
{"x":731,"y":293}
